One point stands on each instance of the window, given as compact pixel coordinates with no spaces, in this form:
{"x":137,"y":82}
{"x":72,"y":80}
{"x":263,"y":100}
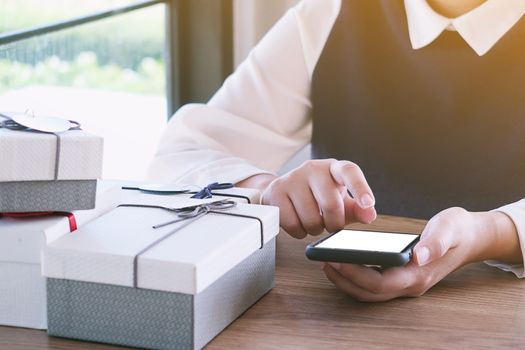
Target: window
{"x":104,"y":64}
{"x":107,"y":73}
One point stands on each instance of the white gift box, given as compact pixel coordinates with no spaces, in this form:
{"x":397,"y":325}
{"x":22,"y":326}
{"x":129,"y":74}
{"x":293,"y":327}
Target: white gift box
{"x":22,"y":287}
{"x":119,"y":280}
{"x":48,"y":172}
{"x":32,"y":156}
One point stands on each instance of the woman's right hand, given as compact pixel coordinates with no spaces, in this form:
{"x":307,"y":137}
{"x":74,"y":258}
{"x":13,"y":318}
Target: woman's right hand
{"x":314,"y":197}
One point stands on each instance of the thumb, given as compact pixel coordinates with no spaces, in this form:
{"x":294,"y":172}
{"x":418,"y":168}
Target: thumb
{"x":434,"y":243}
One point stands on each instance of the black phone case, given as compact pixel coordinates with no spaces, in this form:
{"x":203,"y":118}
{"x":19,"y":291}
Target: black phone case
{"x":360,"y":257}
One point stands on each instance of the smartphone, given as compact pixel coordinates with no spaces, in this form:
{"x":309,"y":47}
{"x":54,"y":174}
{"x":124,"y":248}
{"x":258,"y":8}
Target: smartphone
{"x":364,"y":248}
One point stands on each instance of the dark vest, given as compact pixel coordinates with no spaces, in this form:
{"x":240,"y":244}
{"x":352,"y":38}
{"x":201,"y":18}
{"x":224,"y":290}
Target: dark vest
{"x":431,"y":128}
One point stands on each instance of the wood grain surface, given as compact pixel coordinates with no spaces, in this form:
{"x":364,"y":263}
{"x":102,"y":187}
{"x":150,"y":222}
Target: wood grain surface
{"x":475,"y":307}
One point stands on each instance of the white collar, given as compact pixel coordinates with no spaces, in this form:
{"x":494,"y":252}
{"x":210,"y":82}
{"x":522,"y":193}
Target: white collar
{"x":481,"y":28}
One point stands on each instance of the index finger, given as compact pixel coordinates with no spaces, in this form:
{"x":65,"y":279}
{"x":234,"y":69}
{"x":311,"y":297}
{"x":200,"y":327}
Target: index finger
{"x":350,"y":175}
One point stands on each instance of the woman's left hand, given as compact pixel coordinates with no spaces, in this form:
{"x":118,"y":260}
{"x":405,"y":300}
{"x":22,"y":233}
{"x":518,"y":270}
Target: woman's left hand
{"x":451,"y":239}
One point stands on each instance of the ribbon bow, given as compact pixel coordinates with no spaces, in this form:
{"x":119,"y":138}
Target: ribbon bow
{"x":188,"y":214}
{"x":198,"y":211}
{"x":206,"y":191}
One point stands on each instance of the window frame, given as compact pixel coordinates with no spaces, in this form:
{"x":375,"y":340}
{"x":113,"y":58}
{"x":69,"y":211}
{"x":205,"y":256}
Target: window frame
{"x":198,"y":48}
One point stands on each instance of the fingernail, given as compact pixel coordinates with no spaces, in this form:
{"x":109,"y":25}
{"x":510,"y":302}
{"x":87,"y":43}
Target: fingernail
{"x":422,"y":255}
{"x":367,"y":201}
{"x":336,"y":266}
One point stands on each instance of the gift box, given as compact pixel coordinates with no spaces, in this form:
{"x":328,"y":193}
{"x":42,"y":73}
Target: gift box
{"x":48,"y":172}
{"x":39,"y":196}
{"x":22,"y":287}
{"x":119,"y":280}
{"x":33,"y":156}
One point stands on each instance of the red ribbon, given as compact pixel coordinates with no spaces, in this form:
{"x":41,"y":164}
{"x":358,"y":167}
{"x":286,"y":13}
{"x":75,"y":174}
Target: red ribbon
{"x":70,"y":216}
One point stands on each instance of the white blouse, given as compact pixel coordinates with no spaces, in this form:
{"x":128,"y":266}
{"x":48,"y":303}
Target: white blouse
{"x":260,"y":117}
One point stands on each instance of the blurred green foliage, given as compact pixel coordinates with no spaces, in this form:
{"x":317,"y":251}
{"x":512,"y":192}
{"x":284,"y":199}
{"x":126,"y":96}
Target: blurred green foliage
{"x":84,"y":72}
{"x":120,"y":53}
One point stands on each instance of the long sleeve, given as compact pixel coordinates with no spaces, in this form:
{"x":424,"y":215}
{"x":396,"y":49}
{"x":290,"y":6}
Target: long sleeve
{"x":260,"y":117}
{"x":516,"y":211}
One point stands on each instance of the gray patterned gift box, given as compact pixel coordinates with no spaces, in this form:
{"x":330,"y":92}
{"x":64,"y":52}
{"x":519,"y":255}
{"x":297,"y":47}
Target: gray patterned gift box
{"x":38,"y":196}
{"x":118,"y":280}
{"x":22,"y":287}
{"x":48,"y":172}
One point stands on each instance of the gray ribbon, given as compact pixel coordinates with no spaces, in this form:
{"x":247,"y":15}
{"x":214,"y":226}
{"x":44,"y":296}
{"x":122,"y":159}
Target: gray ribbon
{"x":231,"y":195}
{"x":57,"y":156}
{"x":188,"y":214}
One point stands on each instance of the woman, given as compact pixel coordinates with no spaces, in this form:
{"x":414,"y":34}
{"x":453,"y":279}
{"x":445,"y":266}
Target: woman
{"x":420,"y":101}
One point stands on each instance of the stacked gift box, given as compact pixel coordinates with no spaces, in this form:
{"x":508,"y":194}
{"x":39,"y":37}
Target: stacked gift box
{"x":48,"y":188}
{"x":22,"y":287}
{"x":48,"y":171}
{"x":143,"y":267}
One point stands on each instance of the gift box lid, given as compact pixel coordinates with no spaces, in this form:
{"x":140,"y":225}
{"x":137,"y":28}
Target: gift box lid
{"x":32,"y":156}
{"x":108,"y":249}
{"x":22,"y":239}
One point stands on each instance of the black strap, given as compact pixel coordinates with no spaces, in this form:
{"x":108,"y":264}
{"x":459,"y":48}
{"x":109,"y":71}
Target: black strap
{"x":248,"y":200}
{"x":206,"y":192}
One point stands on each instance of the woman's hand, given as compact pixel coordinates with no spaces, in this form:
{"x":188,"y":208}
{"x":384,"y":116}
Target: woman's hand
{"x":314,"y":197}
{"x":451,"y":239}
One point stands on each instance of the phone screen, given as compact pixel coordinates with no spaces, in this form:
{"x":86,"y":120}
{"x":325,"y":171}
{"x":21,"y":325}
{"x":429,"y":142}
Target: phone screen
{"x":387,"y":242}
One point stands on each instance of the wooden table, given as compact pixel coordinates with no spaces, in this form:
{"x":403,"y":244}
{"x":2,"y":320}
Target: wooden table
{"x":476,"y":307}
